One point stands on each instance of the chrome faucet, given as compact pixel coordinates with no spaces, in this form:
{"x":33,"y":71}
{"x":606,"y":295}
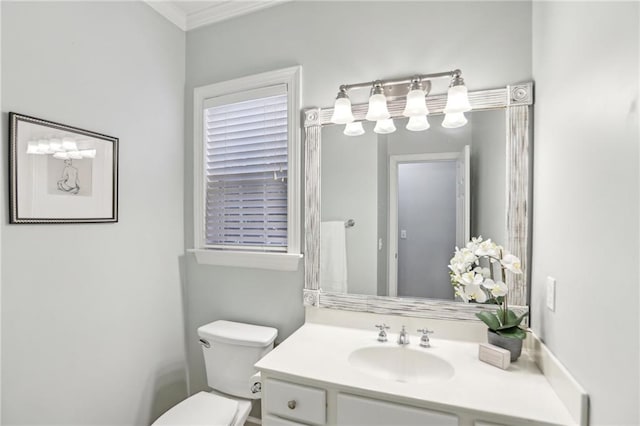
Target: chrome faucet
{"x":403,"y":337}
{"x":424,"y":340}
{"x":382,"y":336}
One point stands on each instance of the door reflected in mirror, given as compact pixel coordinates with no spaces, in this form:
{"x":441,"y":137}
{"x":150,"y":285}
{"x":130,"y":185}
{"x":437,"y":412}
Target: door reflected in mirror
{"x":412,"y":196}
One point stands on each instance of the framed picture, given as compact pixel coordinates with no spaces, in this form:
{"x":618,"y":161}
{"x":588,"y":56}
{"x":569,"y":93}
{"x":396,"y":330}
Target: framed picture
{"x":61,"y":174}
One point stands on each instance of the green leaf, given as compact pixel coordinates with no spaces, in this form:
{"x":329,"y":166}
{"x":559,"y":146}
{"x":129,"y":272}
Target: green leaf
{"x":490,"y":319}
{"x":513,"y":320}
{"x":512,"y":333}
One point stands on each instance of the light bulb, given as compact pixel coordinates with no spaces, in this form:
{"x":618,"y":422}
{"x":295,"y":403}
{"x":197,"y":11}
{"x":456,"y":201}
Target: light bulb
{"x":418,"y":123}
{"x":377,"y":105}
{"x":342,"y":109}
{"x":416,"y":104}
{"x":354,"y":129}
{"x":384,"y":126}
{"x":457,"y":100}
{"x":454,"y":120}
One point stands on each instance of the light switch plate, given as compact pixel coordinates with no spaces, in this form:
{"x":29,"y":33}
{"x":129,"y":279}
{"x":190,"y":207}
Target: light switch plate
{"x":551,"y":293}
{"x":403,"y":234}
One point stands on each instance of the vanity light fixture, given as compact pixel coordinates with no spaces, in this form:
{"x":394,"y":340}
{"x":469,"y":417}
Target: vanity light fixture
{"x":342,"y":108}
{"x":377,"y":104}
{"x":415,"y":89}
{"x":384,"y":126}
{"x":354,"y":129}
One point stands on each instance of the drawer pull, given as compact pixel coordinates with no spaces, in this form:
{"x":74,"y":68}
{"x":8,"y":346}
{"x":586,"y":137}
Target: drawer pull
{"x":292,"y":404}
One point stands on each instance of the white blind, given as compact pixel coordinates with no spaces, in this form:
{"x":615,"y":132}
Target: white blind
{"x":246,"y":168}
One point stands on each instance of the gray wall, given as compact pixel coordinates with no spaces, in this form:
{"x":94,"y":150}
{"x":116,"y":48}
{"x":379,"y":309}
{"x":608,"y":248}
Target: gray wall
{"x":350,"y":191}
{"x":92,"y":320}
{"x":335,"y":42}
{"x":427,"y":212}
{"x":585,"y":234}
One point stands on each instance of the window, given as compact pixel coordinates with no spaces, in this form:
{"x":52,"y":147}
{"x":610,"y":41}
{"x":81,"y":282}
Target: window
{"x":246,"y":201}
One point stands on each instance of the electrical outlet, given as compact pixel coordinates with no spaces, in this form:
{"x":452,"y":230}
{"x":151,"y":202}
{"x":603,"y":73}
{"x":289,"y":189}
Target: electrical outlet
{"x":551,"y":293}
{"x":403,"y":234}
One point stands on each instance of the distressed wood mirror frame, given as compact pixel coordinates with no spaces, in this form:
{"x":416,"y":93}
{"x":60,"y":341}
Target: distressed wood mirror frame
{"x":516,"y":100}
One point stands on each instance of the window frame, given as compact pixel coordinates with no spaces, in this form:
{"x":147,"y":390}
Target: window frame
{"x":252,"y":257}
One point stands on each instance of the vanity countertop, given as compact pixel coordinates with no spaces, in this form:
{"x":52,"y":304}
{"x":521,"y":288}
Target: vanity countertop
{"x":320,"y":353}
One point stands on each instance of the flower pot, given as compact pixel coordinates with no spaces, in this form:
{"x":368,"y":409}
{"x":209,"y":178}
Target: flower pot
{"x":512,"y":345}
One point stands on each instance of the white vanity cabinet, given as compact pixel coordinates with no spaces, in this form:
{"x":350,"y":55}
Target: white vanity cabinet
{"x":355,"y":410}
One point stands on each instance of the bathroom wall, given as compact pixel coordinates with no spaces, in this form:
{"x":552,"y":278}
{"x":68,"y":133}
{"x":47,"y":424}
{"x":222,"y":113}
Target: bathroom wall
{"x":586,"y":194}
{"x":335,"y":42}
{"x":92,"y":320}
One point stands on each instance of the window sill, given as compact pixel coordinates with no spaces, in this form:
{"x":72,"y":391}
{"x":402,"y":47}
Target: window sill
{"x":242,"y":259}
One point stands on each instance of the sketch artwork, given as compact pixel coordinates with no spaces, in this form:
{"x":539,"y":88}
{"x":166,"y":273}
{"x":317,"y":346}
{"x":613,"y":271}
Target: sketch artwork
{"x":69,"y":176}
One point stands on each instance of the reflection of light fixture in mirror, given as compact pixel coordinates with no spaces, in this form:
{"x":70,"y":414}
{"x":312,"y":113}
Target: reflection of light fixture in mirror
{"x":416,"y":101}
{"x":354,"y":129}
{"x":342,"y":108}
{"x":377,"y":104}
{"x":63,"y":149}
{"x":69,"y":144}
{"x":457,"y":97}
{"x":454,"y":120}
{"x":385,"y":126}
{"x":418,"y":123}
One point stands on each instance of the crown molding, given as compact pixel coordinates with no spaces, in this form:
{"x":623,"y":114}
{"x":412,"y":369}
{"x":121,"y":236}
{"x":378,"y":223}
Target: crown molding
{"x":170,"y":11}
{"x":216,"y":12}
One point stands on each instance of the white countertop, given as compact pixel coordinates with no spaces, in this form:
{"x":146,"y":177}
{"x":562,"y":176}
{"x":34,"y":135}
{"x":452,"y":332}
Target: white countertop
{"x":320,"y":353}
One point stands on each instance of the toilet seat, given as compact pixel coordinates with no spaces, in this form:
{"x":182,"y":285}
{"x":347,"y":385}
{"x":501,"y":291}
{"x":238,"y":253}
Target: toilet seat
{"x":205,"y":408}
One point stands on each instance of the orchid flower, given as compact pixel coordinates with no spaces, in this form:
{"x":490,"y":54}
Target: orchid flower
{"x":512,"y":263}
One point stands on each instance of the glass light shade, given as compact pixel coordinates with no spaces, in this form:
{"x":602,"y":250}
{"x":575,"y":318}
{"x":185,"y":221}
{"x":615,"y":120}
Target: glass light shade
{"x":43,"y":146}
{"x":56,"y":145}
{"x":342,"y":111}
{"x":377,"y":108}
{"x":88,"y":153}
{"x":61,"y":155}
{"x":418,"y":123}
{"x":354,"y":129}
{"x":385,"y":126}
{"x":454,"y":120}
{"x":416,"y":104}
{"x":75,"y":155}
{"x":69,"y":144}
{"x":457,"y":100}
{"x":32,"y":148}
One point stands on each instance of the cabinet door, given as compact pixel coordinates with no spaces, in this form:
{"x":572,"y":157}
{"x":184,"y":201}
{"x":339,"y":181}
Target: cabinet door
{"x":355,"y":410}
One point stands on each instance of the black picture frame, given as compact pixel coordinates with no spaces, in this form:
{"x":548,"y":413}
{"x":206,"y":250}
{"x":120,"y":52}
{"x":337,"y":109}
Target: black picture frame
{"x":60,"y":174}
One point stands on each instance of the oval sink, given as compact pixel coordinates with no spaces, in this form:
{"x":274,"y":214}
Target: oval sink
{"x":401,"y":364}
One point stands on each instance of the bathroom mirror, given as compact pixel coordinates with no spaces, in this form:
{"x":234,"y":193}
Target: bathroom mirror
{"x":381,"y":189}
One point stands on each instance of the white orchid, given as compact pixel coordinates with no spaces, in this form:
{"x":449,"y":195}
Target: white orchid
{"x":488,"y":248}
{"x":473,"y":281}
{"x":511,"y":263}
{"x":471,"y":278}
{"x":497,"y":288}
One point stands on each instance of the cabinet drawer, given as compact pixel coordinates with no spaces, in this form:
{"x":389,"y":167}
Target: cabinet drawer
{"x":295,"y":401}
{"x":270,"y":420}
{"x":355,"y":410}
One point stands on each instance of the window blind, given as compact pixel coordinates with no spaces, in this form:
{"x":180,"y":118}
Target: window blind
{"x":246,"y":171}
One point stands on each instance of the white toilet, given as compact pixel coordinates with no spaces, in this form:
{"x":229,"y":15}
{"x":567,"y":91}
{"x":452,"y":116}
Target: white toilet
{"x":230,"y":350}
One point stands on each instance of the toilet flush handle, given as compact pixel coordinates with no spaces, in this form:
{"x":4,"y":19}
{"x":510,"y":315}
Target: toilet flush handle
{"x":205,"y":343}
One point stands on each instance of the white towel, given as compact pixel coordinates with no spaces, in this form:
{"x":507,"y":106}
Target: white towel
{"x":333,"y":257}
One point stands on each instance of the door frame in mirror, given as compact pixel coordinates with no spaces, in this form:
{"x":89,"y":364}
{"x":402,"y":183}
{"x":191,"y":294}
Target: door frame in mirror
{"x":516,"y":100}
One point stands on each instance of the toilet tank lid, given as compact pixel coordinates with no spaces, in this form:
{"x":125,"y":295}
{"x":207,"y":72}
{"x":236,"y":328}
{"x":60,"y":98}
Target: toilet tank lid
{"x":237,"y":333}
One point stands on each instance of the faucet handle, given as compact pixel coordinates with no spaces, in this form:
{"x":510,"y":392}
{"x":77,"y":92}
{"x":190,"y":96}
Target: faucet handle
{"x":424,"y":340}
{"x":382,"y":336}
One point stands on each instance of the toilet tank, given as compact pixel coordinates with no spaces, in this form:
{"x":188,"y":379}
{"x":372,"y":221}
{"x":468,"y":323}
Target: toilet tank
{"x":230,"y":350}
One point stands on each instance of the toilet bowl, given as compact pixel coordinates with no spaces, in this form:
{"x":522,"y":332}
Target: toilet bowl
{"x":230,"y":350}
{"x":207,"y":408}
